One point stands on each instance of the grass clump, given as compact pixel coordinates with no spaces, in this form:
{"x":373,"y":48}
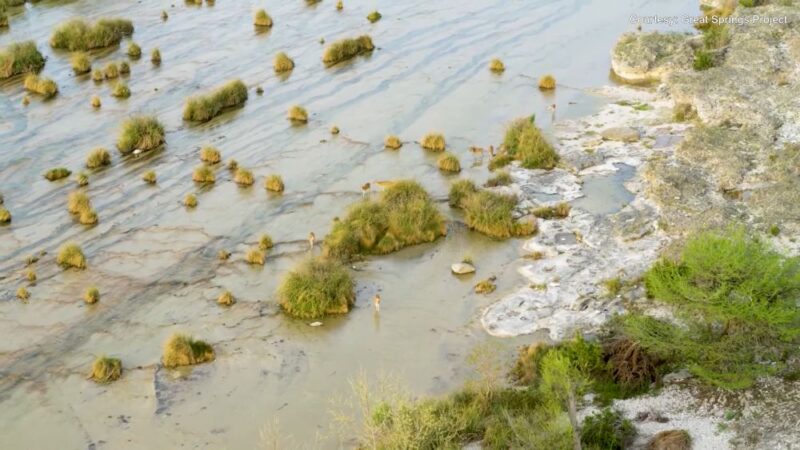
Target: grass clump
{"x":134,"y":51}
{"x":502,"y":178}
{"x":243,"y":177}
{"x":203,"y":108}
{"x":70,"y":255}
{"x":485,"y":287}
{"x":30,"y":275}
{"x":374,"y":16}
{"x":5,"y":215}
{"x":274,"y":183}
{"x":105,"y":369}
{"x":558,"y":211}
{"x":297,"y":114}
{"x":524,"y":142}
{"x":210,"y":155}
{"x":547,"y":82}
{"x":345,"y":49}
{"x":57,"y":173}
{"x":433,"y":142}
{"x":392,"y":142}
{"x":282,"y":63}
{"x":23,"y":294}
{"x":155,"y":57}
{"x":500,"y":161}
{"x":226,"y":299}
{"x":184,"y":350}
{"x":262,"y":19}
{"x":190,"y":201}
{"x":20,"y":57}
{"x":98,"y":75}
{"x":77,"y":34}
{"x":80,"y":63}
{"x":317,"y":287}
{"x":77,"y":202}
{"x":488,"y":212}
{"x":124,"y":68}
{"x":736,"y":299}
{"x":95,"y":102}
{"x":45,"y":87}
{"x":121,"y":90}
{"x":92,"y":295}
{"x":140,"y":133}
{"x":111,"y":71}
{"x":404,"y":215}
{"x":149,"y":177}
{"x":203,"y":174}
{"x":448,"y":162}
{"x":497,"y":66}
{"x":265,"y":242}
{"x":703,"y":60}
{"x":459,"y":191}
{"x":87,"y":217}
{"x":607,"y":430}
{"x":256,"y":257}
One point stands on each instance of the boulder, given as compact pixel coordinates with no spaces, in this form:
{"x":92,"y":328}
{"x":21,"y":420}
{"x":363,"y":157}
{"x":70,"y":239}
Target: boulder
{"x":462,"y":268}
{"x":671,"y":440}
{"x":648,"y":57}
{"x":622,"y":134}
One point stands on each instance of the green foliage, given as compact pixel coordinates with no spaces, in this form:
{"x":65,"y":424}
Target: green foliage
{"x":70,"y":255}
{"x":459,"y":191}
{"x":203,"y":108}
{"x":80,"y":62}
{"x":736,"y":298}
{"x":607,"y":430}
{"x":448,"y":162}
{"x":77,"y":34}
{"x":140,"y":132}
{"x":347,"y":48}
{"x":703,"y":60}
{"x":490,"y":213}
{"x":374,"y":16}
{"x":404,"y":215}
{"x":524,"y":142}
{"x":502,"y":178}
{"x":106,"y":369}
{"x":57,"y":173}
{"x":319,"y":286}
{"x":20,"y":57}
{"x":45,"y":87}
{"x":500,"y":161}
{"x":184,"y":350}
{"x":121,"y":90}
{"x":557,"y":211}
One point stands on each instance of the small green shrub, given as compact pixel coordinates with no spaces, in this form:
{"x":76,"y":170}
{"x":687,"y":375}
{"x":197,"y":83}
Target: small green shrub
{"x":282,"y":63}
{"x":502,"y":178}
{"x":204,"y":174}
{"x":190,"y":201}
{"x":317,"y":287}
{"x":57,"y":173}
{"x":607,"y":430}
{"x":274,"y":183}
{"x":392,"y":142}
{"x":121,"y":90}
{"x":210,"y":155}
{"x":45,"y":87}
{"x":140,"y":133}
{"x":105,"y":369}
{"x":155,"y":57}
{"x":202,"y":108}
{"x":77,"y":34}
{"x":149,"y":177}
{"x":448,"y":162}
{"x":81,"y":63}
{"x":297,"y":114}
{"x":345,"y":49}
{"x":184,"y":350}
{"x":490,"y":213}
{"x":525,"y":143}
{"x":262,"y":19}
{"x":92,"y":295}
{"x":243,"y":177}
{"x":703,"y":60}
{"x":134,"y":51}
{"x":20,"y":57}
{"x":374,"y":16}
{"x":547,"y":82}
{"x":497,"y":66}
{"x":433,"y":142}
{"x":558,"y":211}
{"x":70,"y":255}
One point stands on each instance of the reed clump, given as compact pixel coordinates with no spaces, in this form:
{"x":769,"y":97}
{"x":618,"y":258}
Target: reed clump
{"x":317,"y":287}
{"x":78,"y":34}
{"x":140,"y":133}
{"x":345,"y":49}
{"x":184,"y":350}
{"x":547,"y":82}
{"x":121,"y":90}
{"x":448,"y":162}
{"x":149,"y":177}
{"x":202,"y":108}
{"x":20,"y":57}
{"x":45,"y":87}
{"x":105,"y":369}
{"x":525,"y":142}
{"x":134,"y":51}
{"x":92,"y":295}
{"x":204,"y":174}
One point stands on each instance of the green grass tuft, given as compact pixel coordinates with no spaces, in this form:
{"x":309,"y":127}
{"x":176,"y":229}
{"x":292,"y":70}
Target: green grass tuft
{"x":57,"y":173}
{"x":243,"y":177}
{"x":111,"y":71}
{"x":703,"y":60}
{"x":392,"y":142}
{"x":5,"y":215}
{"x":434,"y":142}
{"x":105,"y":369}
{"x":607,"y":430}
{"x":274,"y":183}
{"x":134,"y":51}
{"x":202,"y":108}
{"x":92,"y":295}
{"x":80,"y":63}
{"x":77,"y":34}
{"x":149,"y":177}
{"x":262,"y":19}
{"x":184,"y":350}
{"x":155,"y":57}
{"x":70,"y":255}
{"x":374,"y":16}
{"x":282,"y":63}
{"x":317,"y":287}
{"x":500,"y":161}
{"x":497,"y":66}
{"x":265,"y":242}
{"x":297,"y":114}
{"x":345,"y":49}
{"x":121,"y":90}
{"x":20,"y":57}
{"x":558,"y":211}
{"x":525,"y":143}
{"x":204,"y":174}
{"x":226,"y":299}
{"x":547,"y":82}
{"x":448,"y":162}
{"x":502,"y":178}
{"x":210,"y":155}
{"x":488,"y":212}
{"x":256,"y":257}
{"x":190,"y":201}
{"x":140,"y":132}
{"x":45,"y":87}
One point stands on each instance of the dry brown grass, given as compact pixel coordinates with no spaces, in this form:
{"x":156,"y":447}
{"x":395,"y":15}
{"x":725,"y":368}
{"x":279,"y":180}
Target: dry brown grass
{"x":433,"y":142}
{"x":92,"y":295}
{"x":243,"y":177}
{"x":297,"y":114}
{"x":630,"y":364}
{"x":105,"y":370}
{"x":392,"y":142}
{"x":184,"y":350}
{"x":274,"y":183}
{"x":547,"y":82}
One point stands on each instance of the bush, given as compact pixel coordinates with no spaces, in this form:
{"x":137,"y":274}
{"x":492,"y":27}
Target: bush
{"x":525,"y":143}
{"x":92,"y":295}
{"x":134,"y":51}
{"x":45,"y":87}
{"x":283,"y":63}
{"x":607,"y":430}
{"x":433,"y":141}
{"x":500,"y":179}
{"x":124,"y":68}
{"x":155,"y":56}
{"x":392,"y":142}
{"x":226,"y":299}
{"x":547,"y":82}
{"x":82,"y":179}
{"x":448,"y":162}
{"x":87,"y":217}
{"x":345,"y":49}
{"x":202,"y":108}
{"x":736,"y":298}
{"x":374,"y":16}
{"x":491,"y":214}
{"x":57,"y":173}
{"x":140,"y":133}
{"x":20,"y":57}
{"x":317,"y":287}
{"x":256,"y":256}
{"x":210,"y":155}
{"x":203,"y":174}
{"x":274,"y":183}
{"x":262,"y":19}
{"x":80,"y":62}
{"x":243,"y":177}
{"x":404,"y":215}
{"x":297,"y":114}
{"x":190,"y":201}
{"x":105,"y":369}
{"x":5,"y":216}
{"x":111,"y":71}
{"x":70,"y":255}
{"x":183,"y":350}
{"x":76,"y":34}
{"x":558,"y":211}
{"x":703,"y":60}
{"x":30,"y":275}
{"x":121,"y":91}
{"x":149,"y":177}
{"x":497,"y":66}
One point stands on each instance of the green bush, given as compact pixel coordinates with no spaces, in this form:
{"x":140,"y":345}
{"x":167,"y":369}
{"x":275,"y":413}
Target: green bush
{"x":184,"y":350}
{"x":525,"y":143}
{"x":203,"y":108}
{"x":607,"y":430}
{"x":105,"y":369}
{"x":448,"y":162}
{"x":20,"y":57}
{"x":703,"y":60}
{"x":317,"y":287}
{"x":488,"y":212}
{"x":347,"y":48}
{"x":57,"y":173}
{"x":77,"y":34}
{"x":404,"y":215}
{"x":140,"y":132}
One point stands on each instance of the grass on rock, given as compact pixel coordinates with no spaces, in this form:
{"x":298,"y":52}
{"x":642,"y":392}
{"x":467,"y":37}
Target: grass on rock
{"x":184,"y":350}
{"x":202,"y":108}
{"x":140,"y":133}
{"x":317,"y":287}
{"x":105,"y":369}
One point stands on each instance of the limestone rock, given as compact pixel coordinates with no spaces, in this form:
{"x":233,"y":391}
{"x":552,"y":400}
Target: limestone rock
{"x":462,"y":268}
{"x":622,"y":134}
{"x":647,"y":57}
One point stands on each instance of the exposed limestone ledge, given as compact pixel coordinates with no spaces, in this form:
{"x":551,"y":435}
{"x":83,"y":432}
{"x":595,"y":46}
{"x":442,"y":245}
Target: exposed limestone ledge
{"x":647,"y":57}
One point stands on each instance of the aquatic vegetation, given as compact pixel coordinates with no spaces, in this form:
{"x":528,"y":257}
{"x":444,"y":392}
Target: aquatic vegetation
{"x":334,"y":130}
{"x":265,"y":242}
{"x":77,"y":34}
{"x":80,"y":62}
{"x":105,"y":369}
{"x":87,"y":217}
{"x":317,"y":287}
{"x":434,"y":142}
{"x":70,"y":255}
{"x":92,"y":295}
{"x":98,"y":75}
{"x":500,"y":161}
{"x":282,"y":63}
{"x":82,"y":179}
{"x":202,"y":108}
{"x":243,"y":177}
{"x":190,"y":201}
{"x":274,"y":183}
{"x":20,"y":57}
{"x":459,"y":191}
{"x":30,"y":275}
{"x":121,"y":90}
{"x":345,"y":49}
{"x":703,"y":60}
{"x":155,"y":56}
{"x":392,"y":142}
{"x":134,"y":51}
{"x":57,"y":173}
{"x":23,"y":294}
{"x":485,"y":287}
{"x":111,"y":71}
{"x":210,"y":155}
{"x":501,"y":178}
{"x":547,"y":82}
{"x":45,"y":87}
{"x":448,"y":162}
{"x":140,"y":133}
{"x":297,"y":114}
{"x":149,"y":177}
{"x":78,"y":201}
{"x":491,"y":213}
{"x":340,"y":5}
{"x":497,"y":66}
{"x":5,"y":215}
{"x":226,"y":299}
{"x":525,"y":142}
{"x":374,"y":16}
{"x":124,"y":68}
{"x":607,"y":429}
{"x":558,"y":211}
{"x":404,"y":215}
{"x":262,"y":19}
{"x":256,"y":257}
{"x":203,"y":174}
{"x":184,"y":350}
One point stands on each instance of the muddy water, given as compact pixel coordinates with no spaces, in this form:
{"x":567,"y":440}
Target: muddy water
{"x":155,"y":262}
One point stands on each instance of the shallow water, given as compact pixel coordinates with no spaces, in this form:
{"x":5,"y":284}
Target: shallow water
{"x":155,"y":262}
{"x":605,"y":193}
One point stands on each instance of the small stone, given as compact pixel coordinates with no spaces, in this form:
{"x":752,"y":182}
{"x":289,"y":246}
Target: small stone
{"x":462,"y":268}
{"x":315,"y":324}
{"x":622,"y":134}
